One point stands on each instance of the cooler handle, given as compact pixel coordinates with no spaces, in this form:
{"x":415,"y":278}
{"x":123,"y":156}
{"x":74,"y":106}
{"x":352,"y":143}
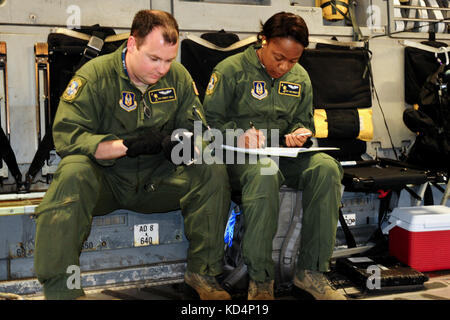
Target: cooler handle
{"x":388,"y":228}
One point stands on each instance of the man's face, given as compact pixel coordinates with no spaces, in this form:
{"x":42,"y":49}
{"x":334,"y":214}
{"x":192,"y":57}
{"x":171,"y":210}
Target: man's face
{"x":151,"y":61}
{"x":279,"y":55}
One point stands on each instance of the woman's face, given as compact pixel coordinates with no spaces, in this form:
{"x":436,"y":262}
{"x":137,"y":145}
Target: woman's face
{"x":279,"y":55}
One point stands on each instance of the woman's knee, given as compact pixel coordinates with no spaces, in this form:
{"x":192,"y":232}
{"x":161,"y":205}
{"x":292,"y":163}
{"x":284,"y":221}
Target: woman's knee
{"x":327,"y":166}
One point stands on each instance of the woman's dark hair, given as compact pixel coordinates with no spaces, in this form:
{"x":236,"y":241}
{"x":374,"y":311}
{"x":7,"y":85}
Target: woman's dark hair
{"x":286,"y":25}
{"x":146,"y":20}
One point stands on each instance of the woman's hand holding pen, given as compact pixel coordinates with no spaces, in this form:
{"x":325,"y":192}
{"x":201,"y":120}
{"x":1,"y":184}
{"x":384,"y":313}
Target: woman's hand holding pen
{"x":298,"y":137}
{"x":252,"y":138}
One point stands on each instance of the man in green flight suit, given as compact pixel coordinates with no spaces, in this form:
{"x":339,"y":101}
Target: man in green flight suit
{"x":113,"y":131}
{"x":265,"y":88}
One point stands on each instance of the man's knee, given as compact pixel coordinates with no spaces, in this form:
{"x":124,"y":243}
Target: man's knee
{"x":76,"y":172}
{"x":75,"y":176}
{"x":75,"y":166}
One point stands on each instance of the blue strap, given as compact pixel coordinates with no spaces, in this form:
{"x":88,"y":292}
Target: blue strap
{"x":229,"y":230}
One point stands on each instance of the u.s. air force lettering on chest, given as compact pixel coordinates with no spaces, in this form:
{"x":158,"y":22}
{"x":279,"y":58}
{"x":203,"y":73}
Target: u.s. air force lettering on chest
{"x":289,"y":89}
{"x":128,"y":101}
{"x":162,"y":95}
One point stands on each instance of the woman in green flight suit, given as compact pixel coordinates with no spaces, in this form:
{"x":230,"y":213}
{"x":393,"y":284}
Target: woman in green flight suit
{"x":266,"y":88}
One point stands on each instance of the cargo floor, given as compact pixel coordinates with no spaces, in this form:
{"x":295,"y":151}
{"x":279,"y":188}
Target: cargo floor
{"x":436,"y":288}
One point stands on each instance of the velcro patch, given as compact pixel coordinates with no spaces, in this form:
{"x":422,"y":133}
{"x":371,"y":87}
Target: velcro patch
{"x":211,"y":84}
{"x":73,"y":88}
{"x":162,"y":95}
{"x":195,"y":88}
{"x":289,"y":89}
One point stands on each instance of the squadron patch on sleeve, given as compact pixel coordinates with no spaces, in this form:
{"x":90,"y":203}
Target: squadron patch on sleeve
{"x":212,"y":84}
{"x":73,"y":88}
{"x":289,"y":89}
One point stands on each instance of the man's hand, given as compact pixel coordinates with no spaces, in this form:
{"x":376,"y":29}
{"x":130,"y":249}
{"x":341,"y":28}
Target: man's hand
{"x":149,"y":142}
{"x":188,"y":145}
{"x":251,"y":139}
{"x":297,"y":138}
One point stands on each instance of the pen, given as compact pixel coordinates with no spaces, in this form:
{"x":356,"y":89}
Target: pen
{"x":252,"y":126}
{"x":299,"y":134}
{"x":199,"y":116}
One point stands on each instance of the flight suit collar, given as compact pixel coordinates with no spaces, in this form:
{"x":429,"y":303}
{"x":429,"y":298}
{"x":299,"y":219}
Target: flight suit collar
{"x":119,"y":64}
{"x":252,"y":58}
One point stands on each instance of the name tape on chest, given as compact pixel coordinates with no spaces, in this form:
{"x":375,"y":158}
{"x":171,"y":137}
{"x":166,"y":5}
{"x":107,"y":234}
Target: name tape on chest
{"x":289,"y":89}
{"x":162,"y":95}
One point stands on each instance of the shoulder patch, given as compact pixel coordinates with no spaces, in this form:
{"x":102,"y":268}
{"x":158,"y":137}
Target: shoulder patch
{"x":289,"y":89}
{"x":212,"y":84}
{"x":73,"y":88}
{"x":195,"y":88}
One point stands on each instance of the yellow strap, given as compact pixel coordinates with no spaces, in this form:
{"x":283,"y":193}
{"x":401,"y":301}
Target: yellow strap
{"x":365,"y":124}
{"x":321,"y":123}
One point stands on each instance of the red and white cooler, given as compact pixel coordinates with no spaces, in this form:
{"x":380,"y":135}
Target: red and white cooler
{"x":420,"y":236}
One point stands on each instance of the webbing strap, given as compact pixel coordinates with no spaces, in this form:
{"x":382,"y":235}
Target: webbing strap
{"x":6,"y":151}
{"x":232,"y":47}
{"x":357,"y":34}
{"x":291,"y":243}
{"x":84,"y":36}
{"x":334,"y":4}
{"x":353,"y":44}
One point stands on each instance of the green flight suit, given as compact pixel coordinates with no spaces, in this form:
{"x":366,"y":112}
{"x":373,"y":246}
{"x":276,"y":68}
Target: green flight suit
{"x":99,"y":104}
{"x":240,"y":90}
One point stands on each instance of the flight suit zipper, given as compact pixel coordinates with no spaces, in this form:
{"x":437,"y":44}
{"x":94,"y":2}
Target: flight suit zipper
{"x":145,"y":111}
{"x":272,"y":110}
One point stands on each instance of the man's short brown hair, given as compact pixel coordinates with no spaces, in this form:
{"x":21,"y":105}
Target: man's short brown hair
{"x":146,"y":20}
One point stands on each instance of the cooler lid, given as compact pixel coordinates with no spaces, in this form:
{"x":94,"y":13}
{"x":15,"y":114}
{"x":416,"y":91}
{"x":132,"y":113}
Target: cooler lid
{"x":422,"y":218}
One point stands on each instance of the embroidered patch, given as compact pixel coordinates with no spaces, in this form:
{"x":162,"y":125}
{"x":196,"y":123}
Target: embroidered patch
{"x":128,"y":101}
{"x":212,"y":84}
{"x":162,"y":95}
{"x":195,"y":88}
{"x":73,"y":88}
{"x":289,"y":89}
{"x":259,"y":90}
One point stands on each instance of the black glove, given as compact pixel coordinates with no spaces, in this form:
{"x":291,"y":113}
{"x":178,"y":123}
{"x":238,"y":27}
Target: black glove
{"x":149,"y":142}
{"x":167,"y":146}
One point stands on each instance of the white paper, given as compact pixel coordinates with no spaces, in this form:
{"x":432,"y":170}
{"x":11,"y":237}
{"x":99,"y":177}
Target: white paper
{"x":277,"y":151}
{"x":360,"y":259}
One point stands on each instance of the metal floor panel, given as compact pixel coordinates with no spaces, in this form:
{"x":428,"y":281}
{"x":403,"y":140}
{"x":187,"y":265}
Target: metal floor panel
{"x":110,"y":279}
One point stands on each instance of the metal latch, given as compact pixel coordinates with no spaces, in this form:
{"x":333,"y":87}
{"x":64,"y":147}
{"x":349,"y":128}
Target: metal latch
{"x":94,"y":47}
